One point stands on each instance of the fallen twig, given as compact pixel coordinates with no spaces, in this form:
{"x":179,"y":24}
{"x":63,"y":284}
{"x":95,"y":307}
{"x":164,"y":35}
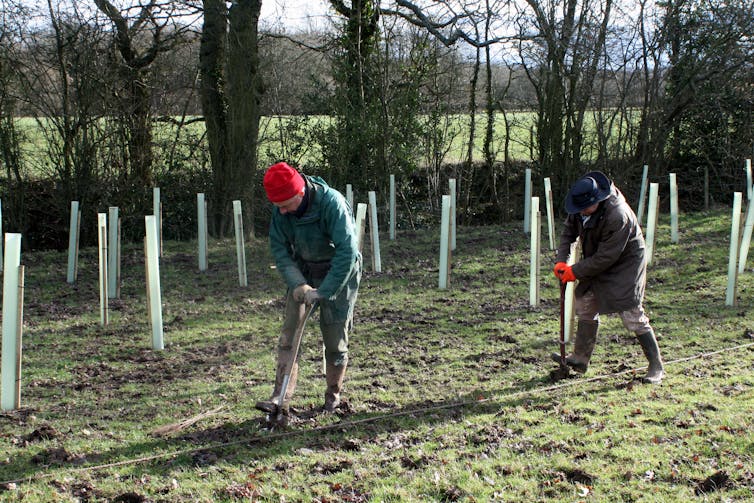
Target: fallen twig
{"x":172,"y":428}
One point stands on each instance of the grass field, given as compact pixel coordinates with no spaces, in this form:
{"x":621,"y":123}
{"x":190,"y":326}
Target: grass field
{"x":273,"y":144}
{"x":448,"y":391}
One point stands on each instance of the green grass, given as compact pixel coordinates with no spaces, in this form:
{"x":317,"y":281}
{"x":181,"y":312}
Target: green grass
{"x":448,"y":391}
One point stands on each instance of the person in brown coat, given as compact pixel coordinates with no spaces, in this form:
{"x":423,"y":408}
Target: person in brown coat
{"x":611,"y":273}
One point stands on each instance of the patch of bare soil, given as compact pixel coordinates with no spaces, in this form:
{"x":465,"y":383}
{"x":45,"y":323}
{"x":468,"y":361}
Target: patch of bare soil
{"x":57,"y":456}
{"x":715,"y":482}
{"x":44,"y":432}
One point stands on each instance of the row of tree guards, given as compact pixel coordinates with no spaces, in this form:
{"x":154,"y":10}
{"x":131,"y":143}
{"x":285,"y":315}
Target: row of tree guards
{"x":109,"y":256}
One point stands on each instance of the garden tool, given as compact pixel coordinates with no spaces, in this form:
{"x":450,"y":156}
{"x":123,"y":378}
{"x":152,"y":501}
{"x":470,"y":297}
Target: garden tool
{"x":274,"y":407}
{"x":563,"y":371}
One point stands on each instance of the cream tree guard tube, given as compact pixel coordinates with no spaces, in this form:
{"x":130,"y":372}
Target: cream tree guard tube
{"x":534,"y":259}
{"x":361,"y":216}
{"x":349,"y":195}
{"x":157,"y":212}
{"x":103,"y":289}
{"x":527,"y":201}
{"x":746,"y":237}
{"x":240,"y":245}
{"x":444,"y":243}
{"x":11,"y":321}
{"x":392,"y":208}
{"x":730,"y":292}
{"x":201,"y":228}
{"x":73,"y":242}
{"x":375,"y":232}
{"x":652,"y":220}
{"x":153,"y":282}
{"x":642,"y":195}
{"x":748,"y":223}
{"x":113,"y":253}
{"x":570,"y":293}
{"x":673,"y":209}
{"x":550,"y":213}
{"x":452,"y":190}
{"x":1,"y":234}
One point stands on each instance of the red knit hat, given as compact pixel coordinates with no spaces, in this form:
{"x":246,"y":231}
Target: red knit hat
{"x":281,"y":182}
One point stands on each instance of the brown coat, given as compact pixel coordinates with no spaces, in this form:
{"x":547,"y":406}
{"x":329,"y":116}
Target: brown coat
{"x":613,"y":263}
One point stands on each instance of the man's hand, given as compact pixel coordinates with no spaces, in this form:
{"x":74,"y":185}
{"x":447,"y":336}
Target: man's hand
{"x":312,"y":296}
{"x":300,"y":292}
{"x":564,"y":272}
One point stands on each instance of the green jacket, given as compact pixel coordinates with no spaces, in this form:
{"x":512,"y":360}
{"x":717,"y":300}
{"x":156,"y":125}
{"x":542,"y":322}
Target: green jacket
{"x":326,"y":232}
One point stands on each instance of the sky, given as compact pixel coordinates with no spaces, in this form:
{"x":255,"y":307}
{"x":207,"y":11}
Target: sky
{"x":299,"y":14}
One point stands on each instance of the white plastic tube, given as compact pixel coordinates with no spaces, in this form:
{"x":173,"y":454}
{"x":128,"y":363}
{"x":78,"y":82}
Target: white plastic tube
{"x":103,"y":276}
{"x":444,"y":243}
{"x":642,"y":194}
{"x":375,"y":232}
{"x":73,"y":242}
{"x":201,"y":230}
{"x":654,"y":189}
{"x":11,"y":300}
{"x":240,"y":245}
{"x":735,"y":227}
{"x":153,"y":282}
{"x":534,"y":257}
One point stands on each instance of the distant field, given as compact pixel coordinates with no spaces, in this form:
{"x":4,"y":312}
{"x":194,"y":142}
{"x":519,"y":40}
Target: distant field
{"x":288,"y":136}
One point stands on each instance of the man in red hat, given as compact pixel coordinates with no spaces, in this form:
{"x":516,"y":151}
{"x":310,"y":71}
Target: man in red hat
{"x":315,"y":245}
{"x":611,"y":272}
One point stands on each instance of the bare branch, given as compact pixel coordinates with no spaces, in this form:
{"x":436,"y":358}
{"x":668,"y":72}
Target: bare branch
{"x":418,"y":17}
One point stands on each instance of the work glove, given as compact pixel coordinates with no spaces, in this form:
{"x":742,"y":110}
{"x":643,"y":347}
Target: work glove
{"x":300,"y":292}
{"x":564,"y":272}
{"x":312,"y":296}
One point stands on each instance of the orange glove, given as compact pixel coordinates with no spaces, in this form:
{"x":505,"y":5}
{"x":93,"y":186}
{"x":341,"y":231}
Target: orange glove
{"x":564,"y":272}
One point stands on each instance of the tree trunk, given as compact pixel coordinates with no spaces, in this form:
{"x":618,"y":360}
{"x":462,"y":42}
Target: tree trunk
{"x":212,"y":91}
{"x":244,"y":94}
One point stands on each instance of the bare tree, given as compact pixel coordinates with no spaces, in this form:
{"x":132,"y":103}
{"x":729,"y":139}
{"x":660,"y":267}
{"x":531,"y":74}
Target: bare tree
{"x":11,"y":26}
{"x":139,"y":39}
{"x":561,"y":48}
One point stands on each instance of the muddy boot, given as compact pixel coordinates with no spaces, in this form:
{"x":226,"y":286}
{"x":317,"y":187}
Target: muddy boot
{"x":334,"y":376}
{"x":655,"y":370}
{"x":583,"y":346}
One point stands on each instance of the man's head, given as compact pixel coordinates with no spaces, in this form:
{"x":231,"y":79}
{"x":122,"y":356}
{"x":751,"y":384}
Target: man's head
{"x":284,"y":187}
{"x":586,"y":194}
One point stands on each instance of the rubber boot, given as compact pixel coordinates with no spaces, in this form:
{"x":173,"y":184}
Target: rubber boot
{"x":655,"y":370}
{"x":583,"y":346}
{"x":334,"y":376}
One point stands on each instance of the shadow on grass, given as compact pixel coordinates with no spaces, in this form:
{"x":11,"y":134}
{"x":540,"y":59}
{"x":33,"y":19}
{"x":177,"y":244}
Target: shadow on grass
{"x":239,"y":443}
